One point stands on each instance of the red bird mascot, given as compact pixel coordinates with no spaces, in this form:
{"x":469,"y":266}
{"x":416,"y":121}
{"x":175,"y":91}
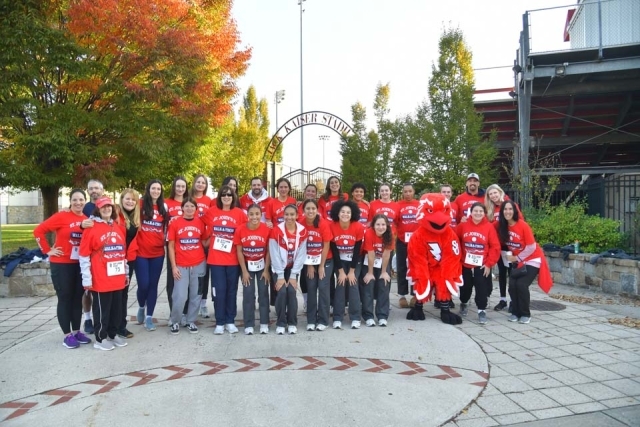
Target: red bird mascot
{"x":433,"y":257}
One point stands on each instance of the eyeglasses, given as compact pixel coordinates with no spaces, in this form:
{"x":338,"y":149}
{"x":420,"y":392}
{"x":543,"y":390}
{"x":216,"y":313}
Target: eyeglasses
{"x":226,"y":195}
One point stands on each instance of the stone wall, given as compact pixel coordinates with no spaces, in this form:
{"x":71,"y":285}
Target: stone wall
{"x":27,"y":280}
{"x":24,"y":214}
{"x":610,"y":275}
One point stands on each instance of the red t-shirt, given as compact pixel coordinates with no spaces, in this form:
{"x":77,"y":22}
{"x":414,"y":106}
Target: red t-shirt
{"x":521,"y":236}
{"x":106,"y":246}
{"x":66,"y":225}
{"x":480,"y":244}
{"x":254,"y":243}
{"x":405,"y":220}
{"x":317,"y":236}
{"x":203,"y":204}
{"x":151,"y":235}
{"x":324,"y":206}
{"x":223,"y":225}
{"x":174,"y":209}
{"x":275,"y":209}
{"x":389,"y":209}
{"x":464,"y":202}
{"x":346,"y":240}
{"x":373,"y":242}
{"x":364,"y":213}
{"x":188,"y":235}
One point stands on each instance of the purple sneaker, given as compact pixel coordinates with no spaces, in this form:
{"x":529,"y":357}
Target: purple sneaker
{"x":70,"y":341}
{"x":82,"y":338}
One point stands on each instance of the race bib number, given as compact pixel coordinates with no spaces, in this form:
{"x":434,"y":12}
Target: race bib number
{"x":312,"y":260}
{"x":115,"y":268}
{"x":407,"y":236}
{"x":377,"y":262}
{"x":222,"y":245}
{"x":473,"y":259}
{"x":256,"y":265}
{"x":75,"y":252}
{"x":347,"y":257}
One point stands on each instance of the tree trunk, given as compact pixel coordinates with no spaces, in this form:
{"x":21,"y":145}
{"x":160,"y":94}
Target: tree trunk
{"x":49,"y":205}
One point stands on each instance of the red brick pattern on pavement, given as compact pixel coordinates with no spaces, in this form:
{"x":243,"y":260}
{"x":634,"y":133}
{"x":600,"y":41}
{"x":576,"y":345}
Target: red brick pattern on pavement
{"x":16,"y":408}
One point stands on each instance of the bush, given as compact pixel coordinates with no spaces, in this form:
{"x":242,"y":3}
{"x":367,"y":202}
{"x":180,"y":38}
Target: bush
{"x":564,"y":225}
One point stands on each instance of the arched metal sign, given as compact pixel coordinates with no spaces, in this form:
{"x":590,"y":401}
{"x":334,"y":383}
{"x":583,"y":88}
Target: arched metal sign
{"x":320,"y":118}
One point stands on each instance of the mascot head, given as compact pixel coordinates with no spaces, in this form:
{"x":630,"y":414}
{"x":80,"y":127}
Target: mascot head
{"x":434,"y":213}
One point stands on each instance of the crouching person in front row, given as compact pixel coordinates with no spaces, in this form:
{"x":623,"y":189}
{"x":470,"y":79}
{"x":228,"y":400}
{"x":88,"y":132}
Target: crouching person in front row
{"x":105,"y":272}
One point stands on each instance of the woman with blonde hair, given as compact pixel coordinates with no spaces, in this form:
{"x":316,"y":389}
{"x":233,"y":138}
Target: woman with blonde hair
{"x":129,"y":218}
{"x":493,"y":198}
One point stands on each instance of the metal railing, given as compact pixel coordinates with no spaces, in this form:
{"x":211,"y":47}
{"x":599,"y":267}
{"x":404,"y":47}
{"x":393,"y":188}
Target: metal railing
{"x":587,"y":24}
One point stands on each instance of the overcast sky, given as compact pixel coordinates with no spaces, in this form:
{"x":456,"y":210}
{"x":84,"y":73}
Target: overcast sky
{"x":349,"y":46}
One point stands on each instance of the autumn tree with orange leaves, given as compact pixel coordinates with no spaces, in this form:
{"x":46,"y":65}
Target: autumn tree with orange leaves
{"x":119,"y":90}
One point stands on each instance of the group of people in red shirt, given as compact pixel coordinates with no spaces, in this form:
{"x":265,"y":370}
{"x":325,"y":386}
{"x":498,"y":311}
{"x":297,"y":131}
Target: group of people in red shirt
{"x":336,"y":248}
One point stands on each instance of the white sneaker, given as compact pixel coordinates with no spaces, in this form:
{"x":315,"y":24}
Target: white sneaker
{"x":264,"y":329}
{"x":248,"y":331}
{"x":105,"y":345}
{"x":280,"y":330}
{"x":219,"y":330}
{"x":382,"y":322}
{"x":321,"y":327}
{"x":204,"y":311}
{"x":292,"y":330}
{"x":370,"y":322}
{"x":232,"y":328}
{"x":118,"y":341}
{"x":355,"y":324}
{"x":337,"y":324}
{"x":311,"y":327}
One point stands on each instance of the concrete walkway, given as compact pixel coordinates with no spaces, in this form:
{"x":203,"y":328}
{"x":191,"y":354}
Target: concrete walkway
{"x":567,"y":367}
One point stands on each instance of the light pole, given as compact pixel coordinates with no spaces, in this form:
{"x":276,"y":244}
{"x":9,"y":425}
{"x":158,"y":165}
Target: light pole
{"x":278,"y":98}
{"x":323,"y":139}
{"x":301,"y":91}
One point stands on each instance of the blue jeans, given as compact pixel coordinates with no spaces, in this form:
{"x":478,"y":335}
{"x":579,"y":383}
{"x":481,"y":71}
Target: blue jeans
{"x":148,"y":272}
{"x":224,"y":284}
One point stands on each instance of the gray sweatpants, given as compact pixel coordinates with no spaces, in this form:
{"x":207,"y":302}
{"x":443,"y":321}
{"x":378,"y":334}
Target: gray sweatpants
{"x":187,"y":285}
{"x":249,"y":300}
{"x":381,"y":290}
{"x":318,"y":295}
{"x":339,"y":299}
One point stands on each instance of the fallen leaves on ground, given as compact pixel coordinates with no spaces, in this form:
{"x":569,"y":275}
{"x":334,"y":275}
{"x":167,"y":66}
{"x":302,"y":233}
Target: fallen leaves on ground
{"x":625,"y":321}
{"x":598,"y":299}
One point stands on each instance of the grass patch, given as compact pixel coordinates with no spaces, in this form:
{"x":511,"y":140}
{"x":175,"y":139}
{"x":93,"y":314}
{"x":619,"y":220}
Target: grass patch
{"x":15,"y":236}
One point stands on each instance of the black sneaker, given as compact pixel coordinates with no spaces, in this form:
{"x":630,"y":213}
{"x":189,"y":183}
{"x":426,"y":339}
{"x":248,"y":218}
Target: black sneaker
{"x":193,"y":329}
{"x":125,"y":333}
{"x":88,"y":326}
{"x":175,"y":329}
{"x":500,"y":306}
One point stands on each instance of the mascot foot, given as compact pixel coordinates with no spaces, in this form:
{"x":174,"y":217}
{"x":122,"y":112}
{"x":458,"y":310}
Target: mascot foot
{"x":416,"y":313}
{"x":447,"y":316}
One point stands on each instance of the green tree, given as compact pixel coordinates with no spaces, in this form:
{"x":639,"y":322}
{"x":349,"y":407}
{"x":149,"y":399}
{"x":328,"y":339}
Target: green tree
{"x":359,"y":152}
{"x":244,"y":147}
{"x":444,"y":136}
{"x":121,"y":91}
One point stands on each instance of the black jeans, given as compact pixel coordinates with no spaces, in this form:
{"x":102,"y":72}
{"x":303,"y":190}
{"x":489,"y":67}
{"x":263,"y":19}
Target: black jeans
{"x":401,"y":267}
{"x":519,"y":292}
{"x":473,"y":278}
{"x":67,"y":283}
